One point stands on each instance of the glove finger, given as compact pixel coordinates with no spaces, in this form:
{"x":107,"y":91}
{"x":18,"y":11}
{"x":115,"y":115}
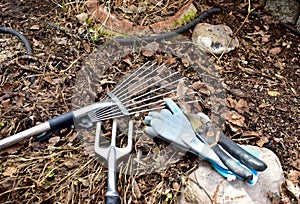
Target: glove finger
{"x":172,"y":106}
{"x":166,"y":113}
{"x":160,"y":126}
{"x":203,"y":117}
{"x":148,"y":119}
{"x":156,"y":115}
{"x":233,"y":165}
{"x":150,"y":131}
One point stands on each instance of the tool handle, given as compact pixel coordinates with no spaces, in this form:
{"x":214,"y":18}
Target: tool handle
{"x":109,"y":199}
{"x":241,"y":154}
{"x":233,"y":165}
{"x":57,"y":123}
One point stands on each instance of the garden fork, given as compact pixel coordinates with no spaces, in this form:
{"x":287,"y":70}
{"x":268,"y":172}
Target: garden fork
{"x":111,"y":154}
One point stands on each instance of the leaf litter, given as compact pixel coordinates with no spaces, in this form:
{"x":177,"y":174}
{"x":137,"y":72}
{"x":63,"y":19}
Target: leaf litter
{"x":261,"y":78}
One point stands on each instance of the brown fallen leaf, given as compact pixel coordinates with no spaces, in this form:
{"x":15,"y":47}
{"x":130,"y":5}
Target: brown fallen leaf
{"x":234,"y":118}
{"x":294,"y":176}
{"x":275,"y":50}
{"x":10,"y":171}
{"x":54,"y":140}
{"x":263,"y":105}
{"x":82,"y":18}
{"x":176,"y":186}
{"x":127,"y":61}
{"x":69,"y":163}
{"x":262,"y":141}
{"x":241,"y":106}
{"x":150,"y":49}
{"x":231,"y":102}
{"x":13,"y":149}
{"x":84,"y":182}
{"x":294,"y":189}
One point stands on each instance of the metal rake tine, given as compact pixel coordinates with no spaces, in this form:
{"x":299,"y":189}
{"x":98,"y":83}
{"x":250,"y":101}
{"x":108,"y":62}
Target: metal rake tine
{"x":152,"y":91}
{"x":137,"y":85}
{"x":128,"y":79}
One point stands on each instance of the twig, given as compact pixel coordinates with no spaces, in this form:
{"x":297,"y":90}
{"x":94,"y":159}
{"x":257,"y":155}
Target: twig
{"x":238,"y":30}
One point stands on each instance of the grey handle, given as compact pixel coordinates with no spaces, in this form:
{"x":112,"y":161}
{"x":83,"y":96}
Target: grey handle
{"x":6,"y":142}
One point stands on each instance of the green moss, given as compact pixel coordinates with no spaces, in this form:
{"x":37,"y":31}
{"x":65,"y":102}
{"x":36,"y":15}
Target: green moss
{"x":188,"y":17}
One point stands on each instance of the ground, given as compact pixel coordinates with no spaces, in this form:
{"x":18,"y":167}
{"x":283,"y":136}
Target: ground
{"x":261,"y":79}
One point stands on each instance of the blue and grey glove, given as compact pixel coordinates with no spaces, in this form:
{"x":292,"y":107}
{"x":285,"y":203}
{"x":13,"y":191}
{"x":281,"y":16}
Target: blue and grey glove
{"x":195,"y":134}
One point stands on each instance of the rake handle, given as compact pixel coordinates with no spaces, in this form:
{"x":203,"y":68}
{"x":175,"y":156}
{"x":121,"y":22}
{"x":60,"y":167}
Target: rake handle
{"x":57,"y":123}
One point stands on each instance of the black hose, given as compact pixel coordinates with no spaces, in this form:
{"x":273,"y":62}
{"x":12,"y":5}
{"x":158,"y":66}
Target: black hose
{"x":183,"y":29}
{"x":19,"y":35}
{"x":173,"y":33}
{"x":292,"y":29}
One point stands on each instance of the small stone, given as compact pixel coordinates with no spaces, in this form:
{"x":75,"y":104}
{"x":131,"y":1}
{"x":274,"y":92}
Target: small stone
{"x":211,"y":186}
{"x":214,"y":38}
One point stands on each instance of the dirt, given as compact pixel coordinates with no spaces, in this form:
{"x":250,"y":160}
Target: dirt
{"x":261,"y":79}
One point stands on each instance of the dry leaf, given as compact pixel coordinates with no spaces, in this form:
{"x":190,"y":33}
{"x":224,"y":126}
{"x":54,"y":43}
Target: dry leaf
{"x":54,"y":140}
{"x":262,"y":141}
{"x":275,"y":50}
{"x":5,"y":104}
{"x":198,"y":85}
{"x":13,"y":149}
{"x":231,"y":102}
{"x":273,"y":93}
{"x":241,"y":106}
{"x":82,"y":17}
{"x":35,"y":27}
{"x":234,"y":118}
{"x":282,"y":108}
{"x":176,"y":186}
{"x":69,"y":164}
{"x":295,"y":190}
{"x":150,"y":49}
{"x":127,"y":61}
{"x":10,"y":171}
{"x":294,"y":176}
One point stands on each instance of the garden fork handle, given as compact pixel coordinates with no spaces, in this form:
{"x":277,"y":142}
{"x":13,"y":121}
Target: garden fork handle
{"x":112,"y":195}
{"x":112,"y":192}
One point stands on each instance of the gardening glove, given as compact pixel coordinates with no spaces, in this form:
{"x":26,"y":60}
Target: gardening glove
{"x":172,"y":125}
{"x":243,"y":162}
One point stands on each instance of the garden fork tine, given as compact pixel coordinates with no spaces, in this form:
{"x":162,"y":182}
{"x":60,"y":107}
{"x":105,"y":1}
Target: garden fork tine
{"x":111,"y":154}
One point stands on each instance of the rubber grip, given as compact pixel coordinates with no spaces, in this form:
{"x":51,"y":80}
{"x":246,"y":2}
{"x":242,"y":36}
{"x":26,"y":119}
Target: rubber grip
{"x":241,"y":154}
{"x":112,"y":200}
{"x":233,"y":165}
{"x":62,"y":121}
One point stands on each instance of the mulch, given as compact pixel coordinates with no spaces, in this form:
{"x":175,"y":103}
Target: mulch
{"x":260,"y":80}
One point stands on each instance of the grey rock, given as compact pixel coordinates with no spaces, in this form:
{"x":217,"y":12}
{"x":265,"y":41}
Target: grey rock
{"x":205,"y":185}
{"x":284,"y":10}
{"x":214,"y":39}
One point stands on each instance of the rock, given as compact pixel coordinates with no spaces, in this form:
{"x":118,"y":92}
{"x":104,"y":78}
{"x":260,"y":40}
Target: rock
{"x":205,"y":185}
{"x":284,"y":10}
{"x":214,"y":38}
